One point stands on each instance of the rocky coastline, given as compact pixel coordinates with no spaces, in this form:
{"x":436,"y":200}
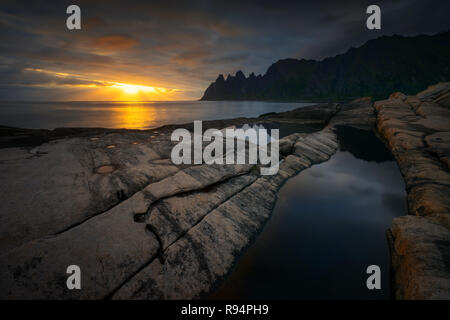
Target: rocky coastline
{"x":141,"y":227}
{"x":416,"y":129}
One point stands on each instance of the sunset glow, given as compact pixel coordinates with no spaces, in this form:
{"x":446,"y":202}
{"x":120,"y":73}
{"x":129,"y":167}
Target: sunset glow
{"x":99,"y":89}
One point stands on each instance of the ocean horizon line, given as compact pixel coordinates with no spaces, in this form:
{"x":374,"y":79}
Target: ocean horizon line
{"x":77,"y":101}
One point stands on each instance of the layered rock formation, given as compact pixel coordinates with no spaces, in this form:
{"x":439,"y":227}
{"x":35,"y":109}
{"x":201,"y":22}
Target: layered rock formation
{"x":137,"y":225}
{"x":417,"y":129}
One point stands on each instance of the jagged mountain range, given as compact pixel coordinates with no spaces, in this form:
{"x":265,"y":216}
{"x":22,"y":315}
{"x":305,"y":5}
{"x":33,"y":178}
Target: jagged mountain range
{"x":377,"y":68}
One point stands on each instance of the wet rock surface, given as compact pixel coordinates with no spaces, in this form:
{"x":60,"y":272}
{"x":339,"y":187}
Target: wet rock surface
{"x":140,"y":227}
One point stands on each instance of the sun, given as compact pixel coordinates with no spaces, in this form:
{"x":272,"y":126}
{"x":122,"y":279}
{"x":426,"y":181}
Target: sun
{"x":133,"y":92}
{"x":130,"y":89}
{"x":133,"y":89}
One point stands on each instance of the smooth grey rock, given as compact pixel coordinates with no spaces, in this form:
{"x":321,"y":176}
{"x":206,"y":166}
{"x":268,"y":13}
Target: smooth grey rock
{"x":192,"y":265}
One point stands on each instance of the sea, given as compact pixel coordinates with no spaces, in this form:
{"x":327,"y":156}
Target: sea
{"x":129,"y":115}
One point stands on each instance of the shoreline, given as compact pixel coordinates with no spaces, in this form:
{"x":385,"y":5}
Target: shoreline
{"x":186,"y":243}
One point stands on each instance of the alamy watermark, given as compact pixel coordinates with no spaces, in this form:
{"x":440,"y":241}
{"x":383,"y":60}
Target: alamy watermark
{"x":256,"y":138}
{"x":373,"y":22}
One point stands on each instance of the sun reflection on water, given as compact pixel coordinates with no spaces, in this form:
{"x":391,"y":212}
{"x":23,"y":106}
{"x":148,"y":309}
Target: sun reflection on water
{"x":134,"y":116}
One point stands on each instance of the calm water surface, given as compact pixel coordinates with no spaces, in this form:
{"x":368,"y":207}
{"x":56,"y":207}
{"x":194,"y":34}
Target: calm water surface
{"x":130,"y":115}
{"x":328,"y":225}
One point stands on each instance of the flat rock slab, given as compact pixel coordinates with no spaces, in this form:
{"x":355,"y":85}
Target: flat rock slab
{"x":66,"y":181}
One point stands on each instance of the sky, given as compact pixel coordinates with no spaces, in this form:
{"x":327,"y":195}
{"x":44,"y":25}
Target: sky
{"x":172,"y":50}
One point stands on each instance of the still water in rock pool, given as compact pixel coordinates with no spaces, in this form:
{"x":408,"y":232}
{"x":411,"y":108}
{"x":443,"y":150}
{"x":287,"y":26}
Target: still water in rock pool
{"x":327,"y":227}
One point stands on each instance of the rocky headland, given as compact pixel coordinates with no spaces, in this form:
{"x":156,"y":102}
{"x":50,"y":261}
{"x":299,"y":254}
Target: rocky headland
{"x":377,"y":68}
{"x":140,"y":227}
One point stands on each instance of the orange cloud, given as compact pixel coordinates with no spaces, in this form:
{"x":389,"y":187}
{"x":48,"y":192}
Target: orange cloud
{"x":114,"y":42}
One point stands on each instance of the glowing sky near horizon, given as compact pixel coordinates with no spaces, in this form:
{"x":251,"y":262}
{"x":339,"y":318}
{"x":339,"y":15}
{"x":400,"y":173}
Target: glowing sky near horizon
{"x":106,"y":90}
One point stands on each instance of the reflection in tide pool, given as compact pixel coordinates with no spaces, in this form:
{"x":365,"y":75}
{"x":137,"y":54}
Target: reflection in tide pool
{"x":129,"y":115}
{"x":328,"y":225}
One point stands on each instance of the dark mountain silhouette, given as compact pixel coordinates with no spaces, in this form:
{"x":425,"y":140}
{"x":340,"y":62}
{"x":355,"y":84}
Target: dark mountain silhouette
{"x":377,"y":68}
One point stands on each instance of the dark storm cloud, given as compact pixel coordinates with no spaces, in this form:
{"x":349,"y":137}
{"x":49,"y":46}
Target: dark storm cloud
{"x":228,"y":59}
{"x":16,"y":76}
{"x":186,"y":44}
